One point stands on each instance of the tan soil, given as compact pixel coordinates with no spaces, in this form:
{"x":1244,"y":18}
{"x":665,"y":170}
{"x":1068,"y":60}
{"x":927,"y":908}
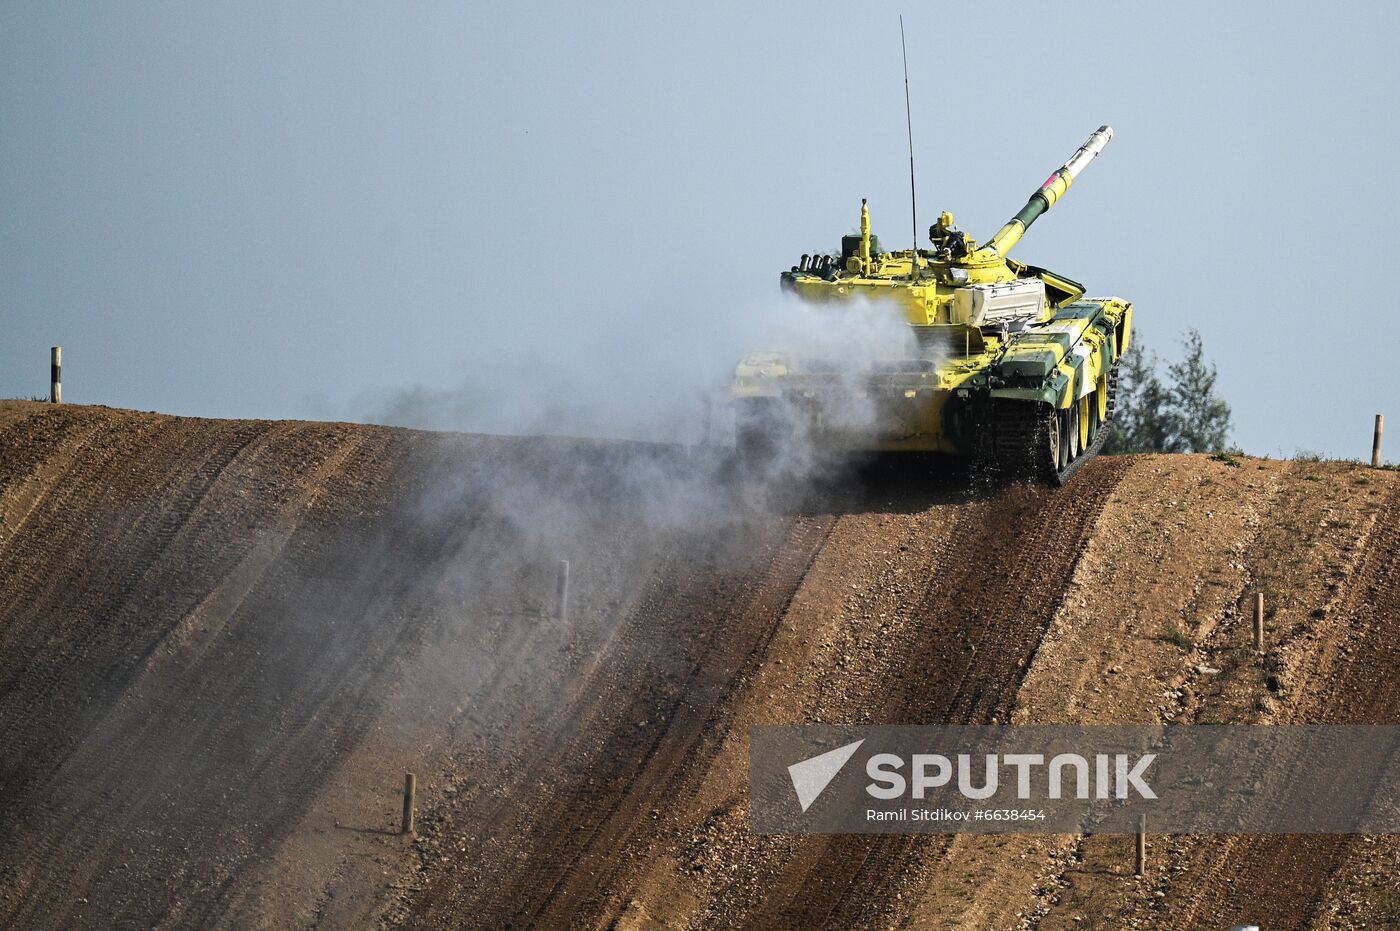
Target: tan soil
{"x":222,"y":643}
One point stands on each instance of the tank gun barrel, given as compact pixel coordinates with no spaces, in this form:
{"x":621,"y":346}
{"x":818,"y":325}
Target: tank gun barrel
{"x":1049,"y":192}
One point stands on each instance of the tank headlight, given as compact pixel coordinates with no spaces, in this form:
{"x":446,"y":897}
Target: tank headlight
{"x":963,"y":392}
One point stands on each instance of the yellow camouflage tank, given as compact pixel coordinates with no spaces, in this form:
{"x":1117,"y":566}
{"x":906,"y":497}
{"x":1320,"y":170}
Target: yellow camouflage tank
{"x":1005,"y":363}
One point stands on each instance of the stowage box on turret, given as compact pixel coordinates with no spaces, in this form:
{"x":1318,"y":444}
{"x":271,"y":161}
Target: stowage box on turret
{"x":1014,"y":367}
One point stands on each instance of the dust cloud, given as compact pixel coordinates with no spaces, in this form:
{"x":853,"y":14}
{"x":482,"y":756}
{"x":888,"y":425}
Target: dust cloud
{"x":654,"y":373}
{"x":621,"y":463}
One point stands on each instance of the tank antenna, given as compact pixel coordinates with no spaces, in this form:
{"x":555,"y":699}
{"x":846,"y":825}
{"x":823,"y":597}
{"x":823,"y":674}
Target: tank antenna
{"x":909,"y":126}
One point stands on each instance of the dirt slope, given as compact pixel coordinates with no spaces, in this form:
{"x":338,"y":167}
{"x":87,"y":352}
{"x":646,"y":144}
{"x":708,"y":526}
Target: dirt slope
{"x":222,"y":643}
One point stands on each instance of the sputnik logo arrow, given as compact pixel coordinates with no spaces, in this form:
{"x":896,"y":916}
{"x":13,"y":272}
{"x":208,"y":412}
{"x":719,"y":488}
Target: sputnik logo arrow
{"x":811,"y":777}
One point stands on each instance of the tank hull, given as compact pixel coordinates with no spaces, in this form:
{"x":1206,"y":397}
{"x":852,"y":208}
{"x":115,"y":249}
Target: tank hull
{"x":1029,"y":404}
{"x":890,"y":413}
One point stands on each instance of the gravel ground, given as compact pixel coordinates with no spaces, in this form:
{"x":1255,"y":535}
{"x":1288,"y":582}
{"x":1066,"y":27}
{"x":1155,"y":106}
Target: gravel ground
{"x":222,"y":643}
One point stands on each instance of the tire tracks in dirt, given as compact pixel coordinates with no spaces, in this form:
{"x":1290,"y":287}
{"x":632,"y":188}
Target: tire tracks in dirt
{"x":994,"y":599}
{"x":100,"y":797}
{"x":692,"y":735}
{"x":1281,"y":881}
{"x":94,"y":556}
{"x":640,"y":716}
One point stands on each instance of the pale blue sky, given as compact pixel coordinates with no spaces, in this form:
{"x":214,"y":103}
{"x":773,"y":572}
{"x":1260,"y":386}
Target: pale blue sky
{"x":521,"y":216}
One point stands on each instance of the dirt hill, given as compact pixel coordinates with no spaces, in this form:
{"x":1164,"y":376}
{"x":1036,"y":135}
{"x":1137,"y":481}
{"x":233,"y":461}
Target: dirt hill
{"x":222,"y":644}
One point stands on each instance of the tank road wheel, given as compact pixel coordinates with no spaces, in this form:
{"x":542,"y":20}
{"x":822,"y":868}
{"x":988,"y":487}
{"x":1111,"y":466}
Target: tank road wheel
{"x":1101,"y":395}
{"x":1053,"y":457}
{"x":1086,"y":420}
{"x":1062,"y":447}
{"x":1071,"y":444}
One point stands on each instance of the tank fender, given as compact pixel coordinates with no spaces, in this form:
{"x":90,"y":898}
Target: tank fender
{"x":1053,"y":392}
{"x":1046,"y":395}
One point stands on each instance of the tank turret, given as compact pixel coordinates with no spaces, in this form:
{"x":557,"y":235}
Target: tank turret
{"x":957,"y":283}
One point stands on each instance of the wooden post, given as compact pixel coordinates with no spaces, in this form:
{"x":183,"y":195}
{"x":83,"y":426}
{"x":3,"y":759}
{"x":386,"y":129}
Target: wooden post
{"x":1140,"y":866}
{"x":56,"y":375}
{"x":1258,"y":622}
{"x":1376,"y":443}
{"x":561,"y":594}
{"x":409,"y":791}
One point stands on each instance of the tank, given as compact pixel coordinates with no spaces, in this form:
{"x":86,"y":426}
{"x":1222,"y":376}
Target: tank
{"x":1001,"y":363}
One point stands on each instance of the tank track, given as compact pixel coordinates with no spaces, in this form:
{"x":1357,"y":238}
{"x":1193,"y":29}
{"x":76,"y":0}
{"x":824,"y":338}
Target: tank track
{"x":1025,"y":434}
